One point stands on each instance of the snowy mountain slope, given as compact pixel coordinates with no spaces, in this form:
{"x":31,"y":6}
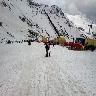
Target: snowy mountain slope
{"x":10,"y":21}
{"x":82,"y":22}
{"x":65,"y":73}
{"x":17,"y":20}
{"x":59,"y":19}
{"x":24,"y":19}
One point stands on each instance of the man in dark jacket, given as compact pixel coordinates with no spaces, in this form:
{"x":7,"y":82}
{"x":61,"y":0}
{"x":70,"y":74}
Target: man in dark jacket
{"x":47,"y":47}
{"x":29,"y":42}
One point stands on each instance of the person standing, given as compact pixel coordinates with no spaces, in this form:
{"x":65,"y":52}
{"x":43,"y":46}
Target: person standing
{"x":47,"y":47}
{"x":29,"y":42}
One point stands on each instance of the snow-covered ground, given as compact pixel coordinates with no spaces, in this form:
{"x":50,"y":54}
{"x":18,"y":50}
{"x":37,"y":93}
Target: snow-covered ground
{"x":25,"y":71}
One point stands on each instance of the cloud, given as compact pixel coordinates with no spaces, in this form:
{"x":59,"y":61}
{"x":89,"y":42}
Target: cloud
{"x":87,"y":7}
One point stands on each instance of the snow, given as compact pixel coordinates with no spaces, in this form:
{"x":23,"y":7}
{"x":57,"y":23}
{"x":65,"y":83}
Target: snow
{"x":25,"y":71}
{"x":83,"y":21}
{"x":12,"y":23}
{"x":72,"y":31}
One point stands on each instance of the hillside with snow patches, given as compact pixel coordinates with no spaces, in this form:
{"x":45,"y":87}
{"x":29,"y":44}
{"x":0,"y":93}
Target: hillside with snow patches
{"x":82,"y":22}
{"x":25,"y":19}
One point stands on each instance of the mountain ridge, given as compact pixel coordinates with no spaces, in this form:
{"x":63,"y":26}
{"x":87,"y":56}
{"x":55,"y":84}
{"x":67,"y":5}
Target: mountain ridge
{"x":20,"y":18}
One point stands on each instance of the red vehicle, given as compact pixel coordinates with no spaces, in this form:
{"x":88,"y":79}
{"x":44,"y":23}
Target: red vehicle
{"x":74,"y":46}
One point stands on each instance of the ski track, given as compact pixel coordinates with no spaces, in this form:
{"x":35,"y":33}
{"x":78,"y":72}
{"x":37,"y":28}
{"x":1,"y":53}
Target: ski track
{"x":24,"y":71}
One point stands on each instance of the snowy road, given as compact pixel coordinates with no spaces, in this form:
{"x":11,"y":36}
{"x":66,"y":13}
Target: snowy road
{"x":24,"y":71}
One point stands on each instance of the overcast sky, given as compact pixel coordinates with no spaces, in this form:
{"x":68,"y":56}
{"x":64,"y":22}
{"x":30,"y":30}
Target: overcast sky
{"x":86,"y":7}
